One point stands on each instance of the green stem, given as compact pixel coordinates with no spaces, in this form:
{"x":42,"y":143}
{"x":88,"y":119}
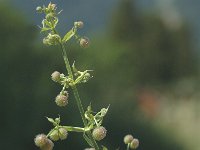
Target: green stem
{"x":73,"y":129}
{"x":76,"y":95}
{"x":128,"y":145}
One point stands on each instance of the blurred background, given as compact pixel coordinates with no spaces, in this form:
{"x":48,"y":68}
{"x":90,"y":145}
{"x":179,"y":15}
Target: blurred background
{"x":145,"y":57}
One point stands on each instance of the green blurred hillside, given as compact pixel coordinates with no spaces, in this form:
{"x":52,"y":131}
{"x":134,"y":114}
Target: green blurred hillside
{"x":138,"y":51}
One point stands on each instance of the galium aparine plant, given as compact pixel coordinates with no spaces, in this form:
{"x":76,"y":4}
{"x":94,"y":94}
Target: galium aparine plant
{"x":92,"y":130}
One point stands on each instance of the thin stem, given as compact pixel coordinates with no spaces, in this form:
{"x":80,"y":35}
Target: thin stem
{"x":65,"y":57}
{"x":128,"y":146}
{"x":76,"y":95}
{"x":74,"y":129}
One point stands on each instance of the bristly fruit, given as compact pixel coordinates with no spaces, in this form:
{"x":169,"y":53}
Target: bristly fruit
{"x":84,"y":42}
{"x":61,"y":100}
{"x":41,"y":140}
{"x":54,"y":135}
{"x":63,"y":133}
{"x":128,"y":139}
{"x":99,"y":133}
{"x":55,"y":76}
{"x":79,"y":24}
{"x":134,"y":144}
{"x":48,"y":146}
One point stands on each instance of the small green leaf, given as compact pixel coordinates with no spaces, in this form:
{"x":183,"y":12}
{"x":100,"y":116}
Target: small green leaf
{"x":46,"y":23}
{"x":44,"y":29}
{"x":52,"y":121}
{"x":55,"y":22}
{"x":69,"y":35}
{"x":74,"y":69}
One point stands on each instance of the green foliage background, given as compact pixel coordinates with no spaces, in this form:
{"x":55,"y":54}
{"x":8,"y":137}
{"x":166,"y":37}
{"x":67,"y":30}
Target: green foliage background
{"x":137,"y":51}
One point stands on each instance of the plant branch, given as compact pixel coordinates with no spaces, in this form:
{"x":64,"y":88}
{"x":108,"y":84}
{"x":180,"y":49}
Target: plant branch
{"x":76,"y":94}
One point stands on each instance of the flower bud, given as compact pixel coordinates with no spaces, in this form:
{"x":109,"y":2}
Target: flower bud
{"x":84,"y":42}
{"x":55,"y":76}
{"x":128,"y":139}
{"x":54,"y":135}
{"x":39,"y":9}
{"x":63,"y":133}
{"x":41,"y":140}
{"x":99,"y":133}
{"x":48,"y":146}
{"x":51,"y":7}
{"x":61,"y":100}
{"x":86,"y":77}
{"x":78,"y":24}
{"x":134,"y":144}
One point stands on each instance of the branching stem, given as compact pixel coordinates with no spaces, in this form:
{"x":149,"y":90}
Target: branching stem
{"x":76,"y":94}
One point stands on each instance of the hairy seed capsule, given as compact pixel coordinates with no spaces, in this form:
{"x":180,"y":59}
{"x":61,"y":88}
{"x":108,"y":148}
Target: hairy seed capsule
{"x":61,"y":100}
{"x":78,"y":24}
{"x":41,"y":140}
{"x":128,"y":139}
{"x":54,"y":135}
{"x":134,"y":144}
{"x":55,"y":76}
{"x":48,"y":146}
{"x":63,"y":133}
{"x":84,"y":42}
{"x":99,"y":133}
{"x":39,"y":9}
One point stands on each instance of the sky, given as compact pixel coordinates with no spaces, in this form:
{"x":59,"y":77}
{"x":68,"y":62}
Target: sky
{"x":96,"y":14}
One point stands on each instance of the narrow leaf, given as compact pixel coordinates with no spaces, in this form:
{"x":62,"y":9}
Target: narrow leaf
{"x":69,"y":35}
{"x":88,"y":140}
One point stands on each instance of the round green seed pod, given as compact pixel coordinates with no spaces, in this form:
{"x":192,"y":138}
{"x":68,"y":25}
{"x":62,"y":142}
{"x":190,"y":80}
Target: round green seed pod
{"x":134,"y":144}
{"x":63,"y":133}
{"x":54,"y":135}
{"x":99,"y":133}
{"x":128,"y":139}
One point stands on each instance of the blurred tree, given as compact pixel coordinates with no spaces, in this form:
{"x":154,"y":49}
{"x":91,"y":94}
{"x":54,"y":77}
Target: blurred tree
{"x":24,"y":81}
{"x":156,"y":53}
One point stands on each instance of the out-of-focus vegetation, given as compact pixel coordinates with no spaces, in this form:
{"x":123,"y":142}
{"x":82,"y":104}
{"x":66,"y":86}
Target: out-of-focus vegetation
{"x":139,"y":59}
